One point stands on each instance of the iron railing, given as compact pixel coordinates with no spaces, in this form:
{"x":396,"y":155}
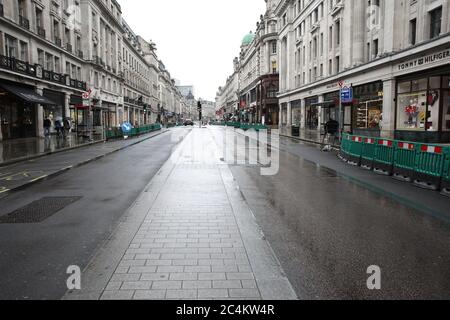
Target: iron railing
{"x":37,"y":71}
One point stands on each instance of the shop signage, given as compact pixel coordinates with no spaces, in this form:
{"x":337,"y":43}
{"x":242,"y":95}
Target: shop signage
{"x":435,"y":57}
{"x":347,"y":95}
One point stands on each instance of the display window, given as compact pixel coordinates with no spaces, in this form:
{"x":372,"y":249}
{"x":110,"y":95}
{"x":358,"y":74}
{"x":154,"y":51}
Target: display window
{"x":419,"y":108}
{"x":296,"y":112}
{"x":446,"y":111}
{"x":368,"y":115}
{"x":411,"y":111}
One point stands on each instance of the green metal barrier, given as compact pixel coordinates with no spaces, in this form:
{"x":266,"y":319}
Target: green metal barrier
{"x":405,"y":154}
{"x":355,"y":150}
{"x":445,"y":185}
{"x":429,"y":166}
{"x":383,"y":162}
{"x":368,"y":153}
{"x":345,"y":147}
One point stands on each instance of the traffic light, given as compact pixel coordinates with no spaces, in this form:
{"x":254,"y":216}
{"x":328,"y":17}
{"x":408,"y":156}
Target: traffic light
{"x":199,"y":106}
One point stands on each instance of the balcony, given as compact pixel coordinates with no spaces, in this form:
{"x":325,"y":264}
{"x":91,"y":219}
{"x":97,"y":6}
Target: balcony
{"x":69,"y":47}
{"x":58,"y":41}
{"x":38,"y":72}
{"x":97,"y":60}
{"x":24,"y":22}
{"x":41,"y":32}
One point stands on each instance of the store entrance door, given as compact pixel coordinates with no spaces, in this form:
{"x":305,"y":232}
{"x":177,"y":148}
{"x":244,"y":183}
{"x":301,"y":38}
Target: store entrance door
{"x":18,"y":120}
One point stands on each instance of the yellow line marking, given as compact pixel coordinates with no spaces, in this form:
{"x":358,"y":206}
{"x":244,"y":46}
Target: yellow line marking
{"x":40,"y":178}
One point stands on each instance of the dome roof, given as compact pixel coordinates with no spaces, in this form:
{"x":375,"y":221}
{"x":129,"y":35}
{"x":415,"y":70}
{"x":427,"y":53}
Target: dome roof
{"x":248,"y":39}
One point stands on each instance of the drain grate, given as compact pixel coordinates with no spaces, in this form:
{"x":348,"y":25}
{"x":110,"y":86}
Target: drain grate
{"x":39,"y":210}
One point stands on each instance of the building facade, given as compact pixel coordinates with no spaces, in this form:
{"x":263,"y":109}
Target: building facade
{"x":255,"y":76}
{"x":41,"y":65}
{"x":77,"y":60}
{"x":394,"y":55}
{"x":102,"y":43}
{"x":227,"y":97}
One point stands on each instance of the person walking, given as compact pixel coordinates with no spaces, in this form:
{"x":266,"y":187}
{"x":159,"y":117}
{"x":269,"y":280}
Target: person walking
{"x":59,"y":127}
{"x":47,"y":126}
{"x":67,"y":126}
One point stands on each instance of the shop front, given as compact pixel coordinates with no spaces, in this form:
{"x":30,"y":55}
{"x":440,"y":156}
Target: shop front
{"x":18,"y":111}
{"x":296,"y":113}
{"x":54,"y":112}
{"x":423,"y":107}
{"x":312,"y":113}
{"x":79,"y":115}
{"x":367,"y":109}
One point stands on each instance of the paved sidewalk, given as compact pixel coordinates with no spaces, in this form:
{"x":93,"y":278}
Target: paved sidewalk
{"x":190,"y":235}
{"x":26,"y":173}
{"x":17,"y":150}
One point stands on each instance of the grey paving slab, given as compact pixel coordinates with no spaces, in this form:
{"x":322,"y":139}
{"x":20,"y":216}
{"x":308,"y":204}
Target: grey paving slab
{"x":188,"y":246}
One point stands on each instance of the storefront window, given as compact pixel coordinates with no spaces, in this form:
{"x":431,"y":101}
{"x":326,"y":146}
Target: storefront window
{"x":404,"y":87}
{"x":296,"y":112}
{"x":369,"y":114}
{"x":446,"y":82}
{"x":446,"y":111}
{"x":433,"y":110}
{"x":419,"y":85}
{"x":411,"y":111}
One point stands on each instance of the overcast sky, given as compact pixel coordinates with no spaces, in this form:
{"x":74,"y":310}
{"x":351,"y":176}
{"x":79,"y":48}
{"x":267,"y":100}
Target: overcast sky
{"x":196,"y":39}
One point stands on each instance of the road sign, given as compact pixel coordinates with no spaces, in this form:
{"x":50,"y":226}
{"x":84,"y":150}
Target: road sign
{"x":341,"y":83}
{"x":346,"y":95}
{"x":86,"y":94}
{"x":126,"y":127}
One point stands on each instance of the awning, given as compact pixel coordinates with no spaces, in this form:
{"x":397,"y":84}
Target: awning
{"x":27,"y":95}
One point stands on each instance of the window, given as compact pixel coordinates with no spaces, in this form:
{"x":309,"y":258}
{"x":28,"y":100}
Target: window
{"x":274,"y":47}
{"x":49,"y":61}
{"x":41,"y":57}
{"x":57,"y":65}
{"x":435,"y":22}
{"x":11,"y":46}
{"x":23,"y":51}
{"x":413,"y":31}
{"x":375,"y":48}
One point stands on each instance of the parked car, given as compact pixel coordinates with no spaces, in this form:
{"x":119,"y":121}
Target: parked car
{"x":188,"y":122}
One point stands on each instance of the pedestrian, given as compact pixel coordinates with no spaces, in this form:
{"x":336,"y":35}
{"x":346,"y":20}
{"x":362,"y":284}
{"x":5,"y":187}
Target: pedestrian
{"x":47,"y":126}
{"x":59,"y":127}
{"x":67,"y":125}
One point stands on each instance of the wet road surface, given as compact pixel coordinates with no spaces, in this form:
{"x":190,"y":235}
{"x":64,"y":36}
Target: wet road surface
{"x":327,"y":230}
{"x":34,"y":257}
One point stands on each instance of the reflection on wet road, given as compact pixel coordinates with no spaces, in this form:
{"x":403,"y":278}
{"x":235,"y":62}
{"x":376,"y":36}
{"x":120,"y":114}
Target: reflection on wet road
{"x":327,"y":230}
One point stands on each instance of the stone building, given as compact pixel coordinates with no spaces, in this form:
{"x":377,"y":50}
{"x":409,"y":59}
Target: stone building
{"x":102,"y":42}
{"x":227,"y":98}
{"x":256,"y":71}
{"x":41,"y":65}
{"x":395,"y":56}
{"x":138,"y":86}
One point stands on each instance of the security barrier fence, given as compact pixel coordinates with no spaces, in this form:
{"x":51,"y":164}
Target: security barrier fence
{"x":425,"y":165}
{"x":115,"y":133}
{"x":246,"y":126}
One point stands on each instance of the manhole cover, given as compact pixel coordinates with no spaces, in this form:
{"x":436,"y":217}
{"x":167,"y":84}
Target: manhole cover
{"x":39,"y":210}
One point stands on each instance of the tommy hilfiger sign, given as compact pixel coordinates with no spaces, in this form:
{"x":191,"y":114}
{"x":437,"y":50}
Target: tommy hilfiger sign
{"x":435,"y":57}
